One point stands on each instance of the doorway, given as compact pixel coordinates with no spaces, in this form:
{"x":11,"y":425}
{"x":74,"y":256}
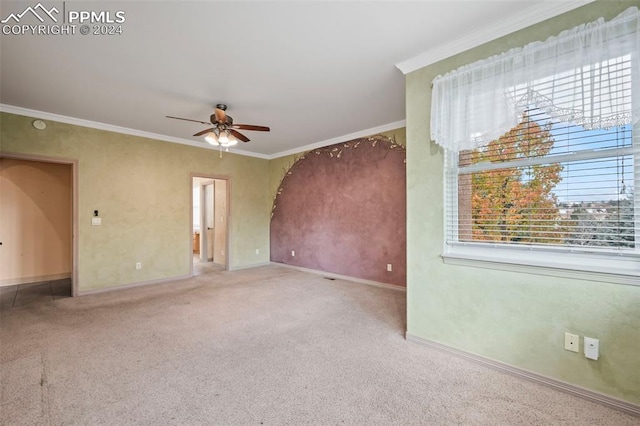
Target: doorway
{"x":37,"y":226}
{"x":210,"y":224}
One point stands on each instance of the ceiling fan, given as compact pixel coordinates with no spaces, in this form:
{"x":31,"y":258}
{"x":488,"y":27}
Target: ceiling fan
{"x":223,"y":132}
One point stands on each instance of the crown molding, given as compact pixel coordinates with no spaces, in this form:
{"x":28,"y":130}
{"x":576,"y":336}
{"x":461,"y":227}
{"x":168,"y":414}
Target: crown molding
{"x":339,"y":139}
{"x":532,"y":15}
{"x":11,"y":109}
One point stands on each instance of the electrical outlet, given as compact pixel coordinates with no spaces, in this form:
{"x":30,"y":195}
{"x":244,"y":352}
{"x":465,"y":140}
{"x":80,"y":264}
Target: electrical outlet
{"x":139,"y":265}
{"x":257,"y":251}
{"x":293,"y":253}
{"x":591,"y":348}
{"x":389,"y":267}
{"x":571,"y":342}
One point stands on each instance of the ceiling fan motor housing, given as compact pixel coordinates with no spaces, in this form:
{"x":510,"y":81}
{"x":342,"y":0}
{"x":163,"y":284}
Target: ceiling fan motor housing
{"x":223,"y":124}
{"x":228,"y":120}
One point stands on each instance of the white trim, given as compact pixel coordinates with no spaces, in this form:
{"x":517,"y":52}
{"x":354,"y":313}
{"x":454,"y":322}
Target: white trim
{"x":228,"y":219}
{"x":578,"y":391}
{"x":530,"y":16}
{"x":255,"y":265}
{"x":345,"y":138}
{"x":343,"y":277}
{"x":541,"y":269}
{"x":132,"y":285}
{"x":29,"y":280}
{"x":117,"y":129}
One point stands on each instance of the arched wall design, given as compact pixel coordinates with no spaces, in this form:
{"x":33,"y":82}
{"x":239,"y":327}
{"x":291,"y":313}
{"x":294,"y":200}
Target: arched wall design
{"x":342,"y":209}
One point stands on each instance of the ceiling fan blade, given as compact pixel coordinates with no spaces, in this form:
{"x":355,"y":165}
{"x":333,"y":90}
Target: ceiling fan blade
{"x":239,"y":135}
{"x":251,"y":127}
{"x":204,"y":132}
{"x":221,"y":116}
{"x":188,"y":119}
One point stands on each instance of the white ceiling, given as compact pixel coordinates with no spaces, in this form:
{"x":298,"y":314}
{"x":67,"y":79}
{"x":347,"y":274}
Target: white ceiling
{"x":315,"y":72}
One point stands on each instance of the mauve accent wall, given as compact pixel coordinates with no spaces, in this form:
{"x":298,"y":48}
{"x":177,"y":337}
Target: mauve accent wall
{"x":342,"y":209}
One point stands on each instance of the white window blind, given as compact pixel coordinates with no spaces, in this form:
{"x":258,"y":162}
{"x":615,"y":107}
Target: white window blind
{"x":548,"y":184}
{"x":552,"y":190}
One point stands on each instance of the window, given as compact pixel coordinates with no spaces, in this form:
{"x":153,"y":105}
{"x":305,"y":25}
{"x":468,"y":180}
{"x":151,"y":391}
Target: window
{"x":549,"y":184}
{"x":543,"y":156}
{"x":551,"y":187}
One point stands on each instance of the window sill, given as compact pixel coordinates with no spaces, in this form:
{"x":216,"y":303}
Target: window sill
{"x":611,"y":269}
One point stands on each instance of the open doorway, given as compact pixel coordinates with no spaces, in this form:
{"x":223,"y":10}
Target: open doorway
{"x":210,"y":229}
{"x":38,"y":225}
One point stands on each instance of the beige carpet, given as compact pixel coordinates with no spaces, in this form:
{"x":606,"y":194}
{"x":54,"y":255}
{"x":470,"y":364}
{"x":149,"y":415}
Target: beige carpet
{"x":262,"y":346}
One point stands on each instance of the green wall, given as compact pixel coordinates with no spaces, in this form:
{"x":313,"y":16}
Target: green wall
{"x":516,"y":318}
{"x":142,"y":189}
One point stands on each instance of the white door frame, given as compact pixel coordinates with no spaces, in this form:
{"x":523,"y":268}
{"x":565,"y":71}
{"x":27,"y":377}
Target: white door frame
{"x":228,"y":214}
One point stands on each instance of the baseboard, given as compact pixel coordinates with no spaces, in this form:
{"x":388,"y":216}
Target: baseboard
{"x":255,"y":265}
{"x":343,"y":277}
{"x":581,"y":392}
{"x":38,"y":279}
{"x":132,"y":285}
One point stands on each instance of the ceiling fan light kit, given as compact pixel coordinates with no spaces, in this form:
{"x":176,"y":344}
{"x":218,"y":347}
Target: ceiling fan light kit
{"x":223,"y":133}
{"x":224,"y":139}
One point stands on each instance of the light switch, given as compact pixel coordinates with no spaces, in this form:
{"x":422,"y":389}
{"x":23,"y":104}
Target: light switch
{"x":96,"y":221}
{"x":591,"y":348}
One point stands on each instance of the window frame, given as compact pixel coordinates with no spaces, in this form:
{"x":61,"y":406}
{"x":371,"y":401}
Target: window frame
{"x":586,"y":263}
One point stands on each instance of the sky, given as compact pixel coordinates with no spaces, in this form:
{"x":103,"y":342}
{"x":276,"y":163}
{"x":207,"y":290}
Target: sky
{"x":603,"y":179}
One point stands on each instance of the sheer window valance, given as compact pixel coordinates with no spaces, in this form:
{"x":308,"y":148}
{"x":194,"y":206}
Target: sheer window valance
{"x":583,"y":76}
